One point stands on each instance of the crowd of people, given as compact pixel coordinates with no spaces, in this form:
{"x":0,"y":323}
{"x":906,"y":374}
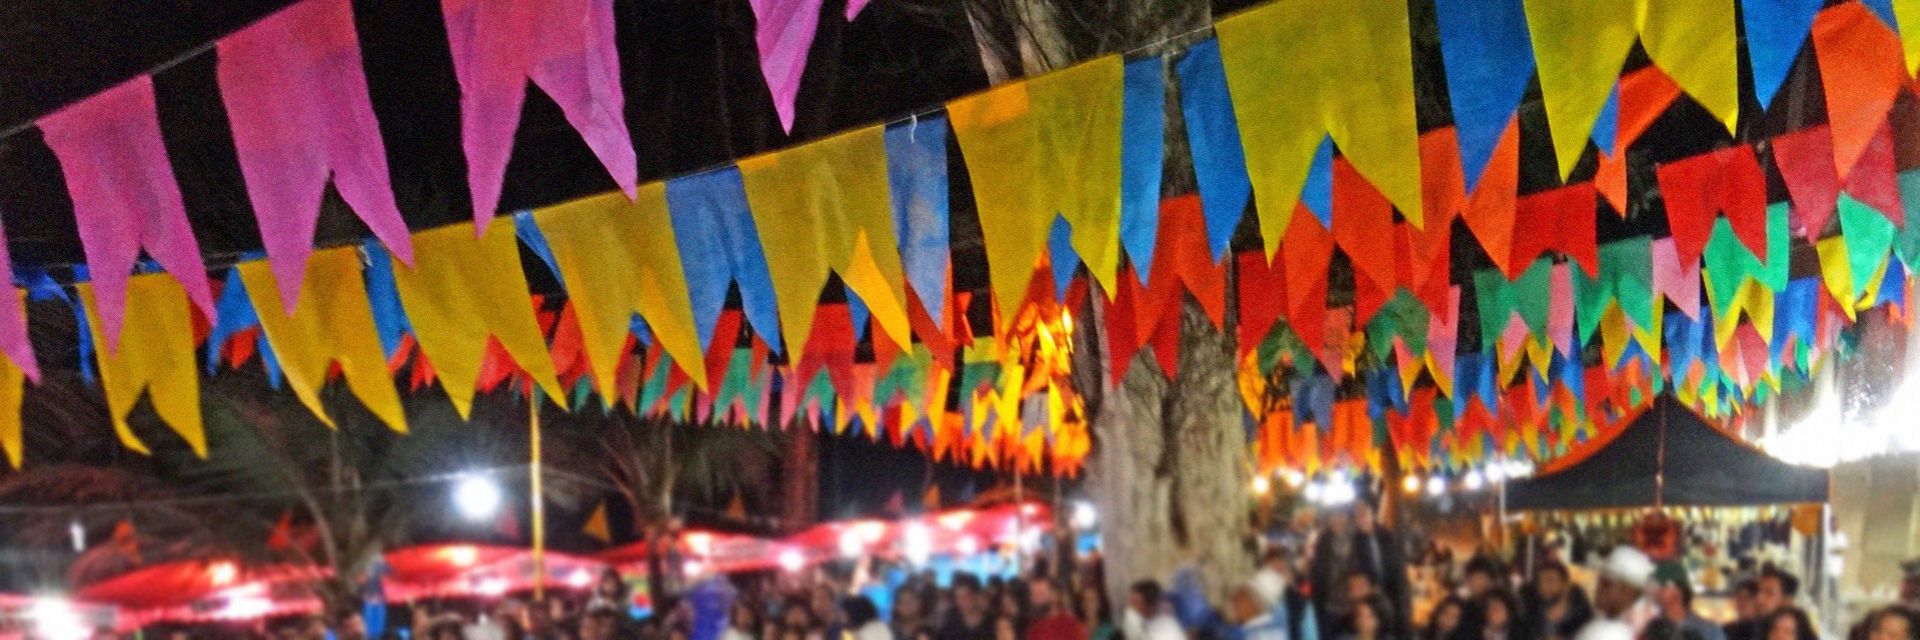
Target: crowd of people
{"x":1350,"y":580}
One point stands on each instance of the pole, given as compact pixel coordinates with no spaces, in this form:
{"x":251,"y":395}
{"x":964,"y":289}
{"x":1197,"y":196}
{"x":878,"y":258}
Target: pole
{"x":539,"y":506}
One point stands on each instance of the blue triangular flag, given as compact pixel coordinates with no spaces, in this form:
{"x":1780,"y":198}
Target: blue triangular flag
{"x":1061,"y":255}
{"x":718,"y":242}
{"x":917,"y":175}
{"x":1317,"y":193}
{"x":1143,"y":130}
{"x":1775,"y":30}
{"x":389,"y":317}
{"x":1213,"y":135}
{"x":1488,"y":56}
{"x":535,"y":241}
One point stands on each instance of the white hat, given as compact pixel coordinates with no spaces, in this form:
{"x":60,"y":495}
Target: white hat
{"x":1268,"y":586}
{"x":1629,"y":566}
{"x":1605,"y":629}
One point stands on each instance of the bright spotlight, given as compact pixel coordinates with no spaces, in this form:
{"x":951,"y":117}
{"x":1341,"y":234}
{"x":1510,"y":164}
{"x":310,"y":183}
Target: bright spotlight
{"x":1084,"y":517}
{"x":1293,"y":478}
{"x":1261,"y":485}
{"x":1339,"y":493}
{"x":1436,"y":486}
{"x":967,"y":545}
{"x":55,"y":619}
{"x":581,"y":578}
{"x":791,"y":560}
{"x":852,"y":544}
{"x":1410,"y":484}
{"x":1473,"y":481}
{"x":476,"y":497}
{"x":223,"y":573}
{"x":1496,"y":472}
{"x":918,"y":543}
{"x":1313,"y":491}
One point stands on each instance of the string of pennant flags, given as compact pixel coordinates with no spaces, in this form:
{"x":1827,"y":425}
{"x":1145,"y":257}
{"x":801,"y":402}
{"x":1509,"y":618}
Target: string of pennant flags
{"x":1305,"y":114}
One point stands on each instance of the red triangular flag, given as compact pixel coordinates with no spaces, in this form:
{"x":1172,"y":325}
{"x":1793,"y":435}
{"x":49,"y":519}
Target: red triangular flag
{"x":1728,"y":181}
{"x":1805,"y":159}
{"x":1874,"y":181}
{"x":1363,"y":227}
{"x":1863,"y":68}
{"x":1557,"y":219}
{"x":1262,"y":289}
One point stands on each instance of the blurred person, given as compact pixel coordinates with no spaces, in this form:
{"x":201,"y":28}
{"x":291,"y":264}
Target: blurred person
{"x":1447,"y":621}
{"x":1255,"y":607}
{"x":1051,"y":618}
{"x":1674,"y":595}
{"x":1910,"y":586}
{"x":609,"y":590}
{"x":863,"y":619}
{"x":1481,"y":576}
{"x":1147,"y":615}
{"x":1743,"y":595}
{"x":1500,"y":618}
{"x":1333,"y":557}
{"x":826,"y":610}
{"x":1369,"y":619}
{"x":1790,"y":623}
{"x":1380,"y":554}
{"x":1892,"y":623}
{"x":743,"y":620}
{"x":1093,"y":613}
{"x":797,"y":617}
{"x":348,"y":625}
{"x":1359,"y":585}
{"x":1004,"y":628}
{"x":1555,"y":607}
{"x":1619,"y":596}
{"x":910,"y":616}
{"x":968,"y":619}
{"x":1773,"y":591}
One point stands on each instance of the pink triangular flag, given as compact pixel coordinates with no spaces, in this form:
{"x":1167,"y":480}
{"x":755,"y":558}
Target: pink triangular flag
{"x":298,"y":103}
{"x":1678,"y":281}
{"x":124,"y":196}
{"x":1512,"y":338}
{"x":854,"y":7}
{"x":784,"y":29}
{"x":1443,"y":336}
{"x":566,"y":47}
{"x":1560,"y":310}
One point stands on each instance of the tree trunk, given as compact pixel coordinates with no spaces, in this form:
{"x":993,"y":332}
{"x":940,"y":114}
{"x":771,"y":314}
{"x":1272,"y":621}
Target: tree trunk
{"x":1168,"y":468}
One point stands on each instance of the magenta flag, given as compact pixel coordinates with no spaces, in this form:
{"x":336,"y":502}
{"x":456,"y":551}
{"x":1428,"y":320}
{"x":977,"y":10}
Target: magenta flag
{"x":854,"y":7}
{"x":13,"y":324}
{"x":566,"y":47}
{"x":298,"y":102}
{"x":124,"y":196}
{"x":784,"y":29}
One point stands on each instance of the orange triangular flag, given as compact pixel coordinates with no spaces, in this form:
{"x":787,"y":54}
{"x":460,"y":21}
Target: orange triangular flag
{"x":1861,"y":64}
{"x":596,"y":526}
{"x":930,"y":501}
{"x":737,"y":509}
{"x":1490,"y":209}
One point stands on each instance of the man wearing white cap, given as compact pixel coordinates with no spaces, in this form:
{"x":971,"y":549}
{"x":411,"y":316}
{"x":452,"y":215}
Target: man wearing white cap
{"x":1619,"y":601}
{"x":1256,"y":602}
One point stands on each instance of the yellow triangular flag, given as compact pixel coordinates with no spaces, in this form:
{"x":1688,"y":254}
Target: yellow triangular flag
{"x":1907,"y":13}
{"x":1694,"y":43}
{"x":1301,"y":70}
{"x":618,"y":258}
{"x":826,"y":205}
{"x":1026,"y":143}
{"x":1578,"y":47}
{"x":156,"y":356}
{"x":332,"y":322}
{"x":13,"y":389}
{"x":1836,"y":272}
{"x":596,"y":526}
{"x":463,"y":290}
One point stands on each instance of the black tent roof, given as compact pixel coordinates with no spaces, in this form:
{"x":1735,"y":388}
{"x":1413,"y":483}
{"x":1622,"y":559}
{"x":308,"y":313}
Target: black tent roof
{"x":1702,"y":465}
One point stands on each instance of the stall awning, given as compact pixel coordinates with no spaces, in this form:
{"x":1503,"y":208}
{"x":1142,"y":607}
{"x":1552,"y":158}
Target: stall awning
{"x":1668,"y":455}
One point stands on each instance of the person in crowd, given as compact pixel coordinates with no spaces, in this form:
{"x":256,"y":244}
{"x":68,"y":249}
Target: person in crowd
{"x":1093,"y":613}
{"x":1293,"y":608}
{"x":797,"y":618}
{"x":1618,"y":598}
{"x":1674,"y":595}
{"x":825,"y":605}
{"x":1259,"y":608}
{"x":863,"y":619}
{"x":1147,"y":614}
{"x":1359,"y":585}
{"x":1910,"y":586}
{"x":1051,"y":617}
{"x":609,"y":590}
{"x":1743,"y":595}
{"x":1555,"y":607}
{"x":1773,"y":591}
{"x":1447,"y":621}
{"x":910,"y":616}
{"x":1379,"y":553}
{"x":1005,"y":628}
{"x":969,"y":618}
{"x":1370,"y":618}
{"x":743,"y":620}
{"x":1789,"y":623}
{"x":1333,"y":556}
{"x":1500,"y":618}
{"x":1891,"y":623}
{"x":1480,"y":577}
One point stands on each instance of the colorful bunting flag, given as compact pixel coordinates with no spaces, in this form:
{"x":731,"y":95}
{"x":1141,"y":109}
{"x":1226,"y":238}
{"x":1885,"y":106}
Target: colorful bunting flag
{"x":1579,"y":47}
{"x":464,"y":293}
{"x":1862,"y":71}
{"x":566,"y":47}
{"x":917,"y":179}
{"x":1302,"y":70}
{"x":620,"y":258}
{"x":828,"y":202}
{"x":1483,"y":44}
{"x":298,"y":104}
{"x":1775,"y":30}
{"x":783,"y":30}
{"x":125,"y":199}
{"x":331,"y":326}
{"x":1213,"y":139}
{"x":157,"y":358}
{"x":718,"y":244}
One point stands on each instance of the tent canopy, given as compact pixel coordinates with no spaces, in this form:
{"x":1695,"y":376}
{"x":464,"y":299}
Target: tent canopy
{"x":1667,"y":455}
